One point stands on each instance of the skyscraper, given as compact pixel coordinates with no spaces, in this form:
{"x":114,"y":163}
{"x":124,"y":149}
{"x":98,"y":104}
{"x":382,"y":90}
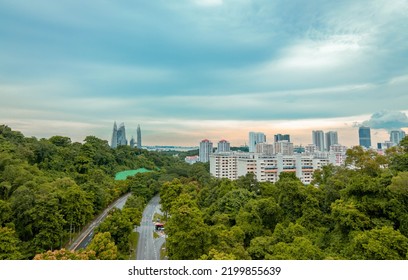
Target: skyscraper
{"x":281,"y":137}
{"x":331,"y":139}
{"x":118,"y":135}
{"x":206,"y":148}
{"x":223,"y":146}
{"x":114,"y":142}
{"x":364,"y":136}
{"x":132,"y":142}
{"x":318,"y":139}
{"x":122,"y":135}
{"x":255,"y":138}
{"x":139,"y":137}
{"x":396,"y":136}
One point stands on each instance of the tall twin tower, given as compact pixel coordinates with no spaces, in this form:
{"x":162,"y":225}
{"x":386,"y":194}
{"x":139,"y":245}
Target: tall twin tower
{"x":119,"y":137}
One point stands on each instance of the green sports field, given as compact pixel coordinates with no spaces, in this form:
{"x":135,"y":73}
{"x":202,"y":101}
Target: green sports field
{"x":124,"y":174}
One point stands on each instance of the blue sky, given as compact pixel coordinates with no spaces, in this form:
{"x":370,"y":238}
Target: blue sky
{"x":194,"y":69}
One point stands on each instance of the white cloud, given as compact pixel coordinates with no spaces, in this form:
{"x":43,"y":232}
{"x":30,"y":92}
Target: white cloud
{"x":388,"y":120}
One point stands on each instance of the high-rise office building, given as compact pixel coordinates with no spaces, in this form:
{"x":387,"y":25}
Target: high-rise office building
{"x":281,"y":137}
{"x":396,"y":136}
{"x":255,"y":138}
{"x":364,"y":136}
{"x":206,"y":148}
{"x":331,"y":139}
{"x":132,"y":142}
{"x":114,"y":141}
{"x":223,"y":146}
{"x":139,"y":137}
{"x":118,"y":135}
{"x":318,"y":139}
{"x":122,"y":135}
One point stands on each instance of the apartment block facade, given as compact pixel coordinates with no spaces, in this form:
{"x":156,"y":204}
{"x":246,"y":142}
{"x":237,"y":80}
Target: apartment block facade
{"x":267,"y":168}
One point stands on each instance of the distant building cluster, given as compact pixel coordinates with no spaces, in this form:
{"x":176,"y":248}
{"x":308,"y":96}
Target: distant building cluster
{"x":364,"y":136}
{"x":324,"y":141}
{"x":119,"y":137}
{"x":268,"y":160}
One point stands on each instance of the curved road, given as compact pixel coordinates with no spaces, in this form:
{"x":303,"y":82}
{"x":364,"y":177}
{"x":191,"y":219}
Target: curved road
{"x":86,"y":236}
{"x":148,"y":247}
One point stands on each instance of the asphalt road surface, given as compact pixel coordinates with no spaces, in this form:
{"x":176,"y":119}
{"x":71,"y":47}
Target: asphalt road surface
{"x":149,"y":247}
{"x":86,"y":236}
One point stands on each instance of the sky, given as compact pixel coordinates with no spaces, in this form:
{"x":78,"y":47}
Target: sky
{"x":194,"y":69}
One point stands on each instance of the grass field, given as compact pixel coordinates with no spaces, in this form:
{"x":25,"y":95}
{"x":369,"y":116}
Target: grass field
{"x":124,"y":174}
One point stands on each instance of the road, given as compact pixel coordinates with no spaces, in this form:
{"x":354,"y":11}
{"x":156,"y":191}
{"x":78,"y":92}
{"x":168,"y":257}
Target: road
{"x":87,"y":233}
{"x":149,"y":247}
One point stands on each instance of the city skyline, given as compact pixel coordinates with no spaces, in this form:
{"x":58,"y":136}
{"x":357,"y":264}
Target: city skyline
{"x":303,"y":139}
{"x":196,"y":69}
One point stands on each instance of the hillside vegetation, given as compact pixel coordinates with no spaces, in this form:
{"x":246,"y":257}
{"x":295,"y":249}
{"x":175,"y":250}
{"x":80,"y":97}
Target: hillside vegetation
{"x":357,"y":211}
{"x":50,"y":188}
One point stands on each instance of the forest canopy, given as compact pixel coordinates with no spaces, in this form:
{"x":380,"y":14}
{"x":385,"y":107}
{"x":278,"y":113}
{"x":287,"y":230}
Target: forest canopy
{"x":51,"y":188}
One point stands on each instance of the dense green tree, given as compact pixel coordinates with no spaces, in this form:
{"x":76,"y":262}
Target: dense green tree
{"x":135,"y":202}
{"x":300,"y":249}
{"x":120,"y":226}
{"x":286,"y":242}
{"x":5,"y":212}
{"x":258,"y":217}
{"x":398,"y":156}
{"x":348,"y":218}
{"x":48,"y":223}
{"x":22,"y":203}
{"x":397,"y":206}
{"x":60,"y":141}
{"x":209,"y":194}
{"x":199,"y":172}
{"x":367,"y":161}
{"x":64,"y":254}
{"x":232,"y":202}
{"x":379,"y":244}
{"x":9,"y":244}
{"x":228,"y":240}
{"x":169,"y":192}
{"x":213,"y":254}
{"x":248,"y":182}
{"x":143,"y":185}
{"x":76,"y":207}
{"x":188,"y":235}
{"x":399,"y":186}
{"x":103,"y":246}
{"x":292,"y":195}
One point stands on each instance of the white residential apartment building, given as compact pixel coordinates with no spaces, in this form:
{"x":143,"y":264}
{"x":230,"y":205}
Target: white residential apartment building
{"x":224,"y":165}
{"x":206,"y":149}
{"x":223,"y":146}
{"x":284,"y":147}
{"x":265,"y":148}
{"x":267,"y":167}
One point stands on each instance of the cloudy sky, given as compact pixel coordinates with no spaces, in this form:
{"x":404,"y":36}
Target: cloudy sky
{"x":192,"y":69}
